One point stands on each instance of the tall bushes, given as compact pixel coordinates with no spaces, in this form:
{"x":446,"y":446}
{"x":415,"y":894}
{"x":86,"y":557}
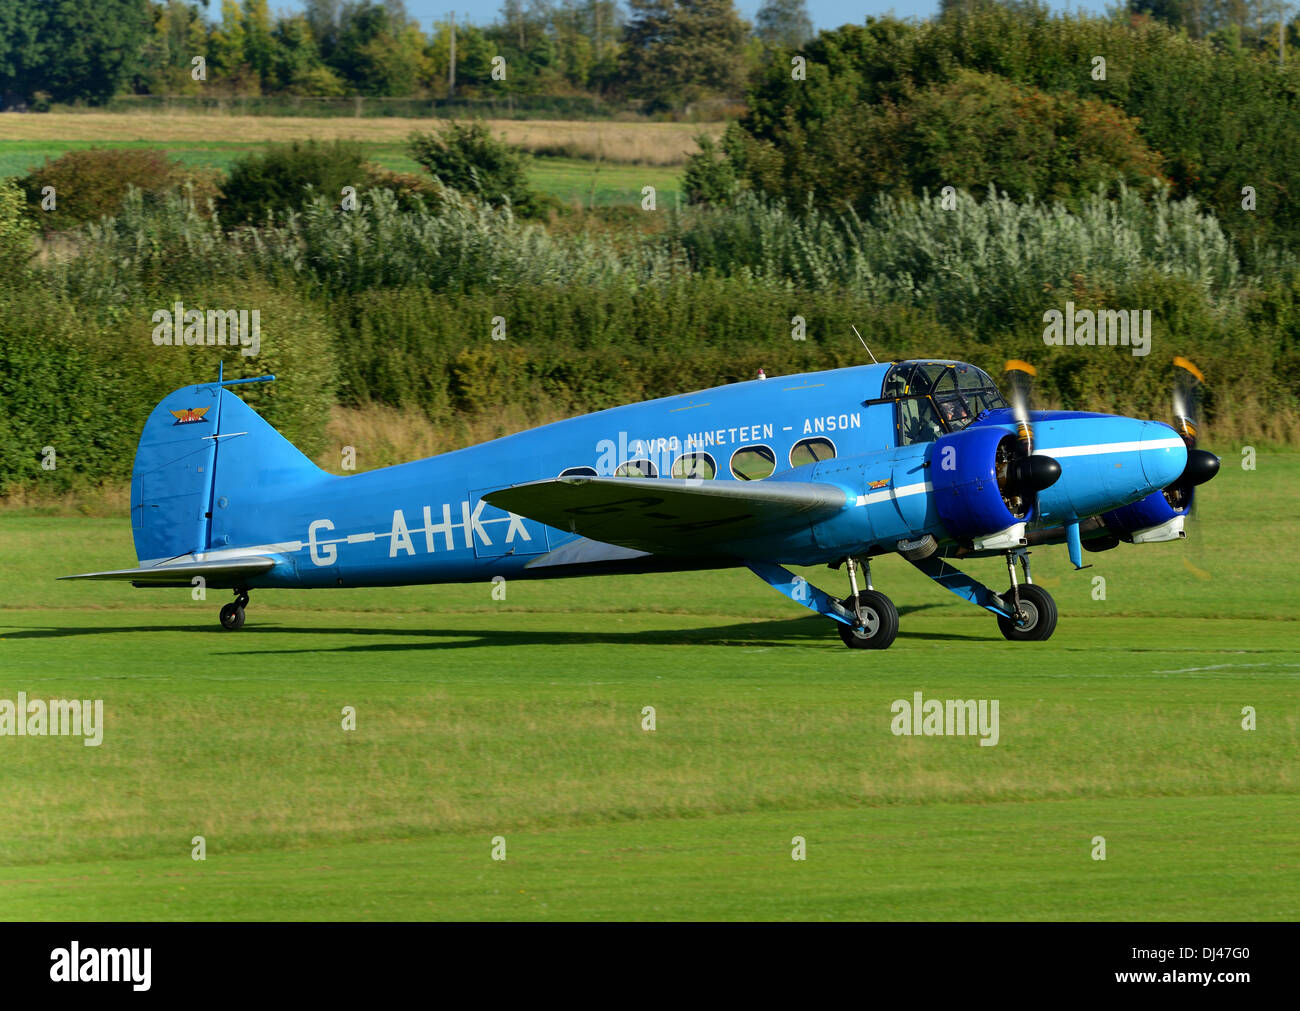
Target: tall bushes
{"x":83,"y":379}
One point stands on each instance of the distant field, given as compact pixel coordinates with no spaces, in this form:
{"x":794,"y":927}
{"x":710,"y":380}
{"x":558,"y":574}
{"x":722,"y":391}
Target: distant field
{"x":592,"y":164}
{"x":478,"y":718}
{"x":572,"y":180}
{"x":648,"y":143}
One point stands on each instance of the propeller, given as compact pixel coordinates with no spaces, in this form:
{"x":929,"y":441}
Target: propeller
{"x":1201,"y":465}
{"x":1026,"y":474}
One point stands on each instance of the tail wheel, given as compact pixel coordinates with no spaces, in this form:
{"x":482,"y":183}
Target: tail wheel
{"x":1037,"y":619}
{"x":232,"y":616}
{"x":879,"y":621}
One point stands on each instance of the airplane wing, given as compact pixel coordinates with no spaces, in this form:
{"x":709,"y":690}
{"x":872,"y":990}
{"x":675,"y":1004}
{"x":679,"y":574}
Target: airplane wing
{"x":670,"y":516}
{"x":225,"y":571}
{"x":585,"y":551}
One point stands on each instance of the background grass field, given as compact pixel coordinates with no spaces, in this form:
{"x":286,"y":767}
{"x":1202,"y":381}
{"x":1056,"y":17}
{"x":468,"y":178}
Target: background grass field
{"x":595,"y":164}
{"x":478,"y":718}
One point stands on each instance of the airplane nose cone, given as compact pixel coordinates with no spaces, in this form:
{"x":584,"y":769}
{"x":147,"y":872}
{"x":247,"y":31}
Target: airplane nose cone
{"x":1201,"y":467}
{"x":1034,"y":473}
{"x":1163,"y":454}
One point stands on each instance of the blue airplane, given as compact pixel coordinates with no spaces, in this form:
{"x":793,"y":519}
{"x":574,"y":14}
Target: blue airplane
{"x":921,"y":458}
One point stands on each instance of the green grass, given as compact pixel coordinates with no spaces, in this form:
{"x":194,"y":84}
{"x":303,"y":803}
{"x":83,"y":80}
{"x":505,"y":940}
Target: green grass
{"x":569,"y":179}
{"x":478,"y":718}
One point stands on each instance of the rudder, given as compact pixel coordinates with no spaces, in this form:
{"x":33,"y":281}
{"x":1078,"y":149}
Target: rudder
{"x":206,"y":467}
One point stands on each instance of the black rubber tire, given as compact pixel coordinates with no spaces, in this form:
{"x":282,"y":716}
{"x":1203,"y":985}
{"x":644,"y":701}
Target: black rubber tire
{"x":232,"y":617}
{"x":1040,"y":615}
{"x":881,"y":622}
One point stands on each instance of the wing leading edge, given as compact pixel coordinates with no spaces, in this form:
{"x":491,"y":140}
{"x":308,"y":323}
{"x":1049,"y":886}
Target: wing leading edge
{"x":671,"y":516}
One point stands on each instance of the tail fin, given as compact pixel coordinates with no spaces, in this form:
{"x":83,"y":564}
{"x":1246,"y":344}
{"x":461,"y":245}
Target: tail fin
{"x":206,"y":470}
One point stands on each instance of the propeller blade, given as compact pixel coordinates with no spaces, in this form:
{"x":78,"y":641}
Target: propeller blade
{"x":1028,"y":473}
{"x":1188,"y":382}
{"x":1019,"y":382}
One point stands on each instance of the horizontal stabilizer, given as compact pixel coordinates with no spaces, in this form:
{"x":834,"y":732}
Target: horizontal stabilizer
{"x":225,"y":571}
{"x":671,"y":516}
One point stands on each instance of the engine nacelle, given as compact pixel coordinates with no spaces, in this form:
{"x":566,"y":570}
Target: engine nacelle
{"x":975,"y":500}
{"x":1150,"y":519}
{"x":1161,"y":515}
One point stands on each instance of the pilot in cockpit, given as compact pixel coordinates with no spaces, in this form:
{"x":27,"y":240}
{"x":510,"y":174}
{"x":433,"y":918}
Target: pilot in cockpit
{"x":954,"y":412}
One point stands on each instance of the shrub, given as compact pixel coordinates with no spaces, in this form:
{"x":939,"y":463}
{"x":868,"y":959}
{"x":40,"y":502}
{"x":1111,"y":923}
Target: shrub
{"x":90,"y":184}
{"x":1212,"y":111}
{"x":15,"y":230}
{"x":466,"y":157}
{"x":710,"y":177}
{"x":286,"y":176}
{"x":988,"y":265}
{"x":146,"y":244}
{"x":407,"y":187}
{"x":457,"y":246}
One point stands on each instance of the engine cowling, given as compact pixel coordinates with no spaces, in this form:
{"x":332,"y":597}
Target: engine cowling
{"x":1161,"y":515}
{"x":1149,"y":514}
{"x":984,"y":485}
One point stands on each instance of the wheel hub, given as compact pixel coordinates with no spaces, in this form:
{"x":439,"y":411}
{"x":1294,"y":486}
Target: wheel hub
{"x":870,"y":622}
{"x":1027,"y":616}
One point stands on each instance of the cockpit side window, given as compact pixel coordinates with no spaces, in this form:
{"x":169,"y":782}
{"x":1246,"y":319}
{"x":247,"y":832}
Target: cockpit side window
{"x":896,"y":381}
{"x":944,"y":382}
{"x":974,"y":394}
{"x":918,"y":421}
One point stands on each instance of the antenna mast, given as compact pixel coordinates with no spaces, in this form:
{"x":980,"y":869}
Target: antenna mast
{"x":864,"y":344}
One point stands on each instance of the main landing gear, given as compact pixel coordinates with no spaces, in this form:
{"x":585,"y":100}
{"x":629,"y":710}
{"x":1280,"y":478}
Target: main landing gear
{"x":1025,"y":613}
{"x":232,"y":615}
{"x":876,"y":618}
{"x":1032,"y":609}
{"x":869,"y":620}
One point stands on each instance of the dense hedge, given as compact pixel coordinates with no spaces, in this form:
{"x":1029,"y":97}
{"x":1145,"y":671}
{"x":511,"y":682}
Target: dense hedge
{"x":586,"y":348}
{"x":84,"y":385}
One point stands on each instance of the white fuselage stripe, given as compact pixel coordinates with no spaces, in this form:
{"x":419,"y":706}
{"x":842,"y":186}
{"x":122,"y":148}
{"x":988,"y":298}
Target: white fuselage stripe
{"x":919,"y":488}
{"x":1110,"y":447}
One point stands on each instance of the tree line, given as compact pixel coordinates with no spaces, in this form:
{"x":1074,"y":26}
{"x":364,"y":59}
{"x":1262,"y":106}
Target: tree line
{"x":659,"y":52}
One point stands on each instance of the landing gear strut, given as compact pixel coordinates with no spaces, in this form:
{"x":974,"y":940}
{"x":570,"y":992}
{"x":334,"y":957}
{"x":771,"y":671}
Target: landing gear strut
{"x":232,"y":615}
{"x":867,"y":620}
{"x":1033,"y":611}
{"x":877,"y":617}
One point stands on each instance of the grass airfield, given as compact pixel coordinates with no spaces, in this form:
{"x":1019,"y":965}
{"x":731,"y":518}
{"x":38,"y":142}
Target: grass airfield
{"x":479,"y":718}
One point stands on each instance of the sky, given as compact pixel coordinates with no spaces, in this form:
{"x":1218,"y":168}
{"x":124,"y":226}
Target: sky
{"x":825,"y":13}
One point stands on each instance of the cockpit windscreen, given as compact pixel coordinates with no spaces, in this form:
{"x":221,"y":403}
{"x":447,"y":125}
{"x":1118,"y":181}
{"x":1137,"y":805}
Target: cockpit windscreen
{"x":938,"y":397}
